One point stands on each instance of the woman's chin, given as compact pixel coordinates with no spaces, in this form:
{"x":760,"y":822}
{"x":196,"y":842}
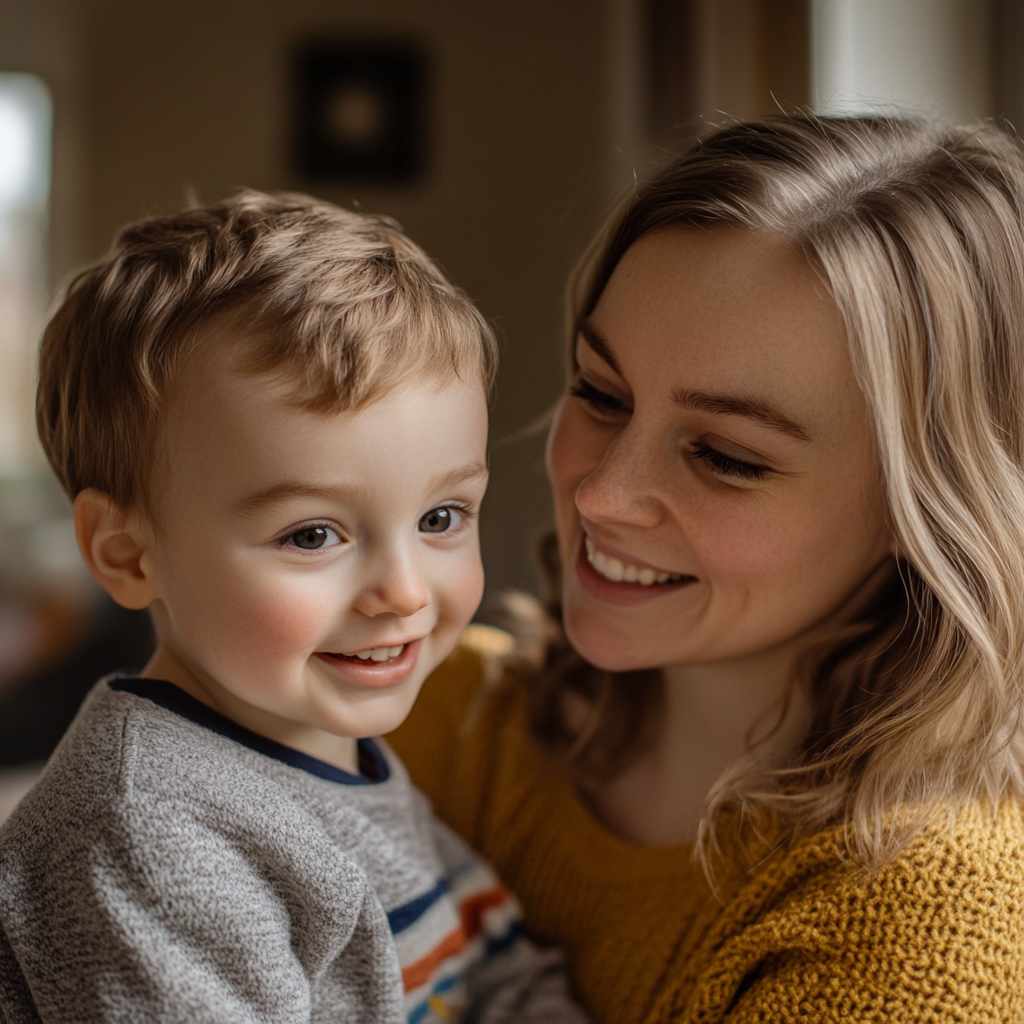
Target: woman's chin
{"x":603,"y":647}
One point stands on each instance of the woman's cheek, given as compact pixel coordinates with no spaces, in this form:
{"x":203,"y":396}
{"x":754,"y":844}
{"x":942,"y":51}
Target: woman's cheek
{"x":569,"y":454}
{"x":748,"y":536}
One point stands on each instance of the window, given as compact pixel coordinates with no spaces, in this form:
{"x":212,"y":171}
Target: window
{"x":25,"y":128}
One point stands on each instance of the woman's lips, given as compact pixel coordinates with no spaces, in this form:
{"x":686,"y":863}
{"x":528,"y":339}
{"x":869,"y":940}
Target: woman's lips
{"x":621,"y":593}
{"x":373,"y":673}
{"x":622,"y":569}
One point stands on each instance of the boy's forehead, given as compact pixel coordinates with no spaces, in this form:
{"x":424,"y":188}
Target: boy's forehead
{"x":229,"y":365}
{"x":227,"y":428}
{"x":222,"y":413}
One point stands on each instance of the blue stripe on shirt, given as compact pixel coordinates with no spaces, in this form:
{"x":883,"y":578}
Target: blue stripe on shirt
{"x":173,"y":698}
{"x":409,"y":913}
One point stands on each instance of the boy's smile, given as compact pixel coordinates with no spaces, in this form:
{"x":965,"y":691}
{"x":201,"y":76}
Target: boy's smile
{"x":308,"y":569}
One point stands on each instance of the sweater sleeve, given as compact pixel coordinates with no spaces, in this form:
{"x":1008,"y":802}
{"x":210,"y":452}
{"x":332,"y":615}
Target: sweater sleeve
{"x":936,"y":935}
{"x":171,"y":918}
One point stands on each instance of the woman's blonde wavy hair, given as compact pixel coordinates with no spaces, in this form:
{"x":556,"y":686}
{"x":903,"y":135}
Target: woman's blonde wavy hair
{"x":917,"y":230}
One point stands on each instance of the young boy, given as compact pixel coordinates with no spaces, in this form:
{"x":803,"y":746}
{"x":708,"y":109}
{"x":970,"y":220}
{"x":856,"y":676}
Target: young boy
{"x":271,"y":416}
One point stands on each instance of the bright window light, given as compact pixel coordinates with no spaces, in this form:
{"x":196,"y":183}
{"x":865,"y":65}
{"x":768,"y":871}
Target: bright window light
{"x":25,"y":131}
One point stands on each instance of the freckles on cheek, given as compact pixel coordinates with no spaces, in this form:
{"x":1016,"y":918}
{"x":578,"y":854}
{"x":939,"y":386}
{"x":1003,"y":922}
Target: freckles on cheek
{"x":755,"y":544}
{"x":570,"y":458}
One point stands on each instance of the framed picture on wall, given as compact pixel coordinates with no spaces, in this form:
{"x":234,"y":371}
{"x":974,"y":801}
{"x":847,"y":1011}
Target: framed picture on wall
{"x":359,"y":112}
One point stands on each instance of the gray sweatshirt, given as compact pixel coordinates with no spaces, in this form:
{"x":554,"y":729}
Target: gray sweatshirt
{"x":170,"y":865}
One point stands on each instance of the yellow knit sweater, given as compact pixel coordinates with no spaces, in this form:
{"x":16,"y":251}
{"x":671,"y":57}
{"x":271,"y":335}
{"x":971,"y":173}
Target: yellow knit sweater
{"x":938,"y":935}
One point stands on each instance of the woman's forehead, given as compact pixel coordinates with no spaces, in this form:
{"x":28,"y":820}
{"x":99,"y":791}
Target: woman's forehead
{"x":728,"y":288}
{"x":727,"y":313}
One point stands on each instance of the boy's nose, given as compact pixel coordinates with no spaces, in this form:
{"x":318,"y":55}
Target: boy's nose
{"x":397,"y":590}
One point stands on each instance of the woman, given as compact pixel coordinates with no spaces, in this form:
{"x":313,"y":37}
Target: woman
{"x":777,"y":775}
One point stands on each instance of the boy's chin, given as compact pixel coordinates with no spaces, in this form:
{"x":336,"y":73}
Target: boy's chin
{"x":380,"y":721}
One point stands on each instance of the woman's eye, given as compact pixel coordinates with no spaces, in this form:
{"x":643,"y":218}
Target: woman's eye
{"x":313,"y":538}
{"x":440,"y":520}
{"x":598,"y":400}
{"x":726,"y":465}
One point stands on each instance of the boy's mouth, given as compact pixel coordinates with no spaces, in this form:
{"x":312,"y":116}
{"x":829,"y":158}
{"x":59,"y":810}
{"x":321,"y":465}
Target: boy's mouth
{"x":375,"y":666}
{"x":375,"y":654}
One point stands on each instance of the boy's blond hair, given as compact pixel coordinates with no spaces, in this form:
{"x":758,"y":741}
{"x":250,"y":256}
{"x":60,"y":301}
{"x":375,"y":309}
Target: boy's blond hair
{"x":341,"y":306}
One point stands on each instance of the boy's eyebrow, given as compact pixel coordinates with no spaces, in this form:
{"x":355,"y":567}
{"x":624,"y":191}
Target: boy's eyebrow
{"x":702,"y":401}
{"x":453,"y":477}
{"x":262,"y":500}
{"x":256,"y":503}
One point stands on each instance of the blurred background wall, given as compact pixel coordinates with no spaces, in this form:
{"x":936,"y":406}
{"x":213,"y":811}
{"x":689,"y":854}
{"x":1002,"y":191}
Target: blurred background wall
{"x":536,"y":116}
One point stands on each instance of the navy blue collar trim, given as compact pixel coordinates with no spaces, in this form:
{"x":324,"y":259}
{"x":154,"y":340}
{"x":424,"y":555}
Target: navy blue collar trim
{"x":174,"y":699}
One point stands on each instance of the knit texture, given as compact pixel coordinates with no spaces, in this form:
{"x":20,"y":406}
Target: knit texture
{"x":937,"y":935}
{"x":172,"y":866}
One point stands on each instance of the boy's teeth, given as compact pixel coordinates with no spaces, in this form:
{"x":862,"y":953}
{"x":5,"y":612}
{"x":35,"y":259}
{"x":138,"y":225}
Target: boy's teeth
{"x":620,"y":572}
{"x":379,"y":653}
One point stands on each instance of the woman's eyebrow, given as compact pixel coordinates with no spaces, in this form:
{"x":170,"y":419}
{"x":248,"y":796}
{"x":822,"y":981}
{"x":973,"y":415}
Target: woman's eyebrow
{"x":702,"y":401}
{"x":598,"y":345}
{"x":727,"y":405}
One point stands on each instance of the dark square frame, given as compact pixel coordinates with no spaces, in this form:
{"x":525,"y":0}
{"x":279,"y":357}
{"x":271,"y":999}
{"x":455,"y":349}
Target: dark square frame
{"x":396,"y":71}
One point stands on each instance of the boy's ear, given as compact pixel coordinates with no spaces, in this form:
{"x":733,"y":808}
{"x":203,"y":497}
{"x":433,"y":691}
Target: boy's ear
{"x":116,"y":548}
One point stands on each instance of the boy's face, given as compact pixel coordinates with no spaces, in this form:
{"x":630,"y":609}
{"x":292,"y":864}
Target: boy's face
{"x":312,"y":569}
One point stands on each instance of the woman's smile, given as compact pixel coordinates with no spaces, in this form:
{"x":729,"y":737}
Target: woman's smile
{"x":721,"y":432}
{"x":621,"y":568}
{"x":597,"y":572}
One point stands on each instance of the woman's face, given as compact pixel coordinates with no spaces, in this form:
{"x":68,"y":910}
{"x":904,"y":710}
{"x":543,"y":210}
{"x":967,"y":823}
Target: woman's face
{"x":716,"y":489}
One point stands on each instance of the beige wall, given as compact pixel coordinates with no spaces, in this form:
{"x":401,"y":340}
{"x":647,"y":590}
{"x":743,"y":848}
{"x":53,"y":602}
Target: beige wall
{"x":178,"y":95}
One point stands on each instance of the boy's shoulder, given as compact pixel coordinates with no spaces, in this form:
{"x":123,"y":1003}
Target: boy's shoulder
{"x":152,"y":843}
{"x":148,"y":776}
{"x":130,"y":773}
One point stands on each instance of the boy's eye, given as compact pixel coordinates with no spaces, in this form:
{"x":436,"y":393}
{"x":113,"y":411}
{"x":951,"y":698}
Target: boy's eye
{"x":313,"y":538}
{"x":440,"y":520}
{"x":600,"y":401}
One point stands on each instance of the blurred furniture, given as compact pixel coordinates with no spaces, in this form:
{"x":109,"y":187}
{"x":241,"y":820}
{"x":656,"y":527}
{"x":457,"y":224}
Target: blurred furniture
{"x":14,"y":784}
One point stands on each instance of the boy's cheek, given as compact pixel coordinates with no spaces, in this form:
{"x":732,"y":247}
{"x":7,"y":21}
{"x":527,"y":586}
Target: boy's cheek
{"x":286,"y":622}
{"x":463,"y":591}
{"x":257,"y":624}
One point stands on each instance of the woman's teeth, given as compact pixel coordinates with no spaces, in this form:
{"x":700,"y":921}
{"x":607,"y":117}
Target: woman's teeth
{"x":378,"y":653}
{"x":619,"y":572}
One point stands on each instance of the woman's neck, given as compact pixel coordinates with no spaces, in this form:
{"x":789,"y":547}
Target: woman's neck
{"x":709,"y":716}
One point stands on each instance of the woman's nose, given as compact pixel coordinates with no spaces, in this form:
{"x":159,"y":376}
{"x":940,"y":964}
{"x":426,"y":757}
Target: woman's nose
{"x":396,"y":588}
{"x":622,"y":487}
